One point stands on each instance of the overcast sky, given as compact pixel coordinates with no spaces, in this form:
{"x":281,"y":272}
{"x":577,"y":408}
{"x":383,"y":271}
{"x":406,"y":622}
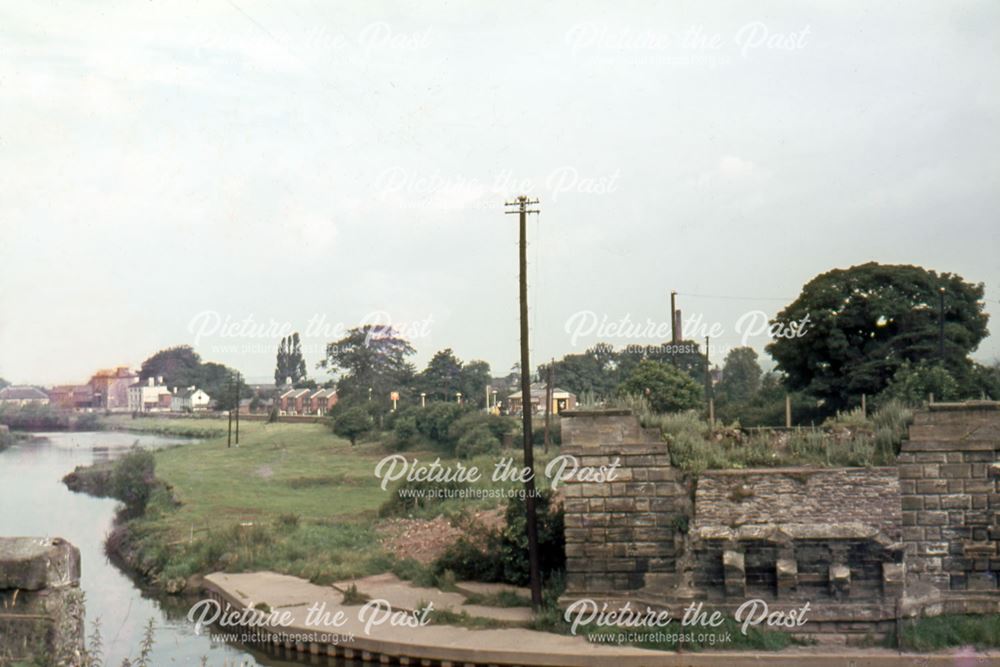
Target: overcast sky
{"x":167,"y":167}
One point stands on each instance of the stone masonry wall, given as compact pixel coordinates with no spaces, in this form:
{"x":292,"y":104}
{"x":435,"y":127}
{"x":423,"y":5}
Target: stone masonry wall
{"x":620,"y":534}
{"x":41,"y":605}
{"x":949,"y":474}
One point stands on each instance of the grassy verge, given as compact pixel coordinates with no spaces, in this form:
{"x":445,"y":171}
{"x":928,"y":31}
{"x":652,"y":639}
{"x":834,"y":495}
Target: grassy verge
{"x":292,"y":498}
{"x":181,"y":428}
{"x":940,"y":632}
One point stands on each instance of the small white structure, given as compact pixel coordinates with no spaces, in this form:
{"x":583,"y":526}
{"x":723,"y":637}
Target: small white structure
{"x":192,"y":398}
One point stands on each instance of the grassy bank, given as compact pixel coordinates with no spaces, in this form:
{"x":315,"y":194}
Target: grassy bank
{"x":292,"y":498}
{"x":173,"y":427}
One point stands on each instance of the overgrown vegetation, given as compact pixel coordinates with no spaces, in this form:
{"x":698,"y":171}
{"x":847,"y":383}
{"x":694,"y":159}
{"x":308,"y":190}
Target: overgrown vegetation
{"x":33,"y":417}
{"x":502,"y":556}
{"x":848,"y":439}
{"x":452,"y":429}
{"x":940,"y":632}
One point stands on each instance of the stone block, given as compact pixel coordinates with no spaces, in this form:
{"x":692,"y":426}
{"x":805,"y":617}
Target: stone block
{"x":734,"y":572}
{"x":840,"y":581}
{"x":787,"y":572}
{"x":893,"y":578}
{"x":36,"y":563}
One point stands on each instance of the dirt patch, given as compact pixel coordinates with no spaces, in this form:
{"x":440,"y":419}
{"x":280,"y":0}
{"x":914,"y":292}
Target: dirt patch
{"x":424,"y":540}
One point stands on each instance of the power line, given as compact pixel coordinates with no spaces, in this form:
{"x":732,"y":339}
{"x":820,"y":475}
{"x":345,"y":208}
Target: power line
{"x":736,"y":298}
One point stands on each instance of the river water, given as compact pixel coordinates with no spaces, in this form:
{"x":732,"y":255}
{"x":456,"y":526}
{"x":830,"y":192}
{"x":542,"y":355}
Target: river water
{"x":34,"y":502}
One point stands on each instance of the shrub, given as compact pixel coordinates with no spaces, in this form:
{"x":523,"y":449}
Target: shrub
{"x":514,"y":539}
{"x":503,"y":555}
{"x":132,"y":480}
{"x":352,"y":423}
{"x":404,"y":432}
{"x":667,"y":388}
{"x":479,"y":440}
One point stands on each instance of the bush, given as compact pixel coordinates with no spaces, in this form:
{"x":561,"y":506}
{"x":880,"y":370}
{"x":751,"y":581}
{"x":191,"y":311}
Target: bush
{"x":352,"y":423}
{"x":503,"y":555}
{"x":479,"y":440}
{"x":913,"y":383}
{"x":132,"y":480}
{"x":405,"y":433}
{"x":446,"y":425}
{"x":667,"y":388}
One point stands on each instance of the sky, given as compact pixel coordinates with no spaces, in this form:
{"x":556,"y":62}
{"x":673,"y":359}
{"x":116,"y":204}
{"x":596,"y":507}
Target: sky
{"x":218,"y":174}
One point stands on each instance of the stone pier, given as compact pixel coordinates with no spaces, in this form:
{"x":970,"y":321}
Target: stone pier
{"x":41,"y":604}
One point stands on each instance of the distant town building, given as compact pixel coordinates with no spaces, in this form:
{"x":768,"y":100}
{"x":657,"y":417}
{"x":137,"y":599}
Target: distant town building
{"x":111,"y":387}
{"x":186,"y":400}
{"x":561,"y":400}
{"x":72,"y":396}
{"x":321,"y":402}
{"x":151,"y":396}
{"x":295,"y":401}
{"x":23,"y":395}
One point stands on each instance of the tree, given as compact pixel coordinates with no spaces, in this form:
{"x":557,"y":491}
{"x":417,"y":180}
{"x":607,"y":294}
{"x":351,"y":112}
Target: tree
{"x":665,"y":387}
{"x":352,"y":423}
{"x":740,"y":376}
{"x":851,"y":330}
{"x":179,"y":366}
{"x":595,"y":371}
{"x":289,"y":362}
{"x":370,"y":357}
{"x":443,"y":376}
{"x":4,"y":383}
{"x":475,"y":376}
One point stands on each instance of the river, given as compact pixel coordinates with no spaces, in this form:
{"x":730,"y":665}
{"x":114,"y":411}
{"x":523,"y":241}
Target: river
{"x":34,"y":502}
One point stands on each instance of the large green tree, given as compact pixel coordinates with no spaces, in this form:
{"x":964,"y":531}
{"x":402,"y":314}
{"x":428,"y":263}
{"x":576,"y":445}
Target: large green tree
{"x":179,"y":366}
{"x":667,"y":388}
{"x":851,"y":330}
{"x":370,"y":357}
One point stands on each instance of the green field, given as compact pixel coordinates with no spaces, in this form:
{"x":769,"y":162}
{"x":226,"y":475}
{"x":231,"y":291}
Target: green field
{"x":292,"y":498}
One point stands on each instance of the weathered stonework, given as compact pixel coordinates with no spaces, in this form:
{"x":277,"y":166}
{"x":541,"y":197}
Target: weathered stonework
{"x":865,"y":546}
{"x":620,"y":535}
{"x":41,"y":605}
{"x":951,"y":502}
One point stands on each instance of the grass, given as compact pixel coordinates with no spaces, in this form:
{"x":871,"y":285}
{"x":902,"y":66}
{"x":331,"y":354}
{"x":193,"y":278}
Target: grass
{"x":846,"y":440}
{"x":292,"y":498}
{"x":205,"y":427}
{"x":499,"y":599}
{"x":940,"y":632}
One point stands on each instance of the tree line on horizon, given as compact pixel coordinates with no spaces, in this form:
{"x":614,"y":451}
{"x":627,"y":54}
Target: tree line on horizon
{"x":874,"y":330}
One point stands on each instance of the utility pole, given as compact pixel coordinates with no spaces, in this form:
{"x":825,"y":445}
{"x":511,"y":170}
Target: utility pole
{"x":673,"y":317}
{"x":229,"y":437}
{"x":708,"y":387}
{"x":548,"y":400}
{"x":239,"y":380}
{"x":522,"y":203}
{"x":941,"y":325}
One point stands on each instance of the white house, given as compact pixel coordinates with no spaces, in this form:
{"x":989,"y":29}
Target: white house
{"x":150,"y":397}
{"x":191,"y":398}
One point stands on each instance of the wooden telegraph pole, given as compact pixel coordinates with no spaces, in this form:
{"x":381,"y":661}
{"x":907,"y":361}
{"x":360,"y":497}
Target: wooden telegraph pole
{"x":239,"y":380}
{"x":522,"y":203}
{"x":549,"y":374}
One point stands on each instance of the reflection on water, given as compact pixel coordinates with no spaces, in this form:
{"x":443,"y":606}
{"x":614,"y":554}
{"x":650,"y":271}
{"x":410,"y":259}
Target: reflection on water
{"x":34,"y":502}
